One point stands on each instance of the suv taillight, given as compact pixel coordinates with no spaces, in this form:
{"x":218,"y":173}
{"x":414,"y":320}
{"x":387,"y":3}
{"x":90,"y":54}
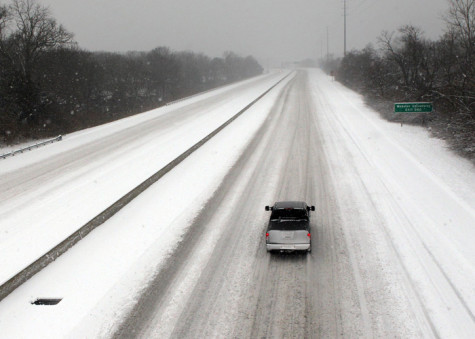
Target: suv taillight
{"x":309,"y":235}
{"x":267,"y":235}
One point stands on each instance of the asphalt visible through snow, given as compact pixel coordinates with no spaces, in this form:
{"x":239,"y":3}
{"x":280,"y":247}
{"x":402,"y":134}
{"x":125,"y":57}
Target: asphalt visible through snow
{"x":343,"y":288}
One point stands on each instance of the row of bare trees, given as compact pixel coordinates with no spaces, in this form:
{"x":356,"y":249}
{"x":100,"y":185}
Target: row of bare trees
{"x":408,"y":67}
{"x":49,"y":86}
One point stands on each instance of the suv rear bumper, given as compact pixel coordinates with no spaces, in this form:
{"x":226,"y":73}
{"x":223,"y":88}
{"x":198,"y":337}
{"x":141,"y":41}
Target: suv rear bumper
{"x":288,"y":247}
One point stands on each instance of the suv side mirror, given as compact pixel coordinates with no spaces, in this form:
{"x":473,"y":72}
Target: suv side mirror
{"x":268,"y":208}
{"x":310,"y":208}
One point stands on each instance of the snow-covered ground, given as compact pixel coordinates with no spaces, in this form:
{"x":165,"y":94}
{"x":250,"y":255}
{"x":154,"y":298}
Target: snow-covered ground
{"x":423,"y":203}
{"x":55,"y":210}
{"x":50,"y":192}
{"x":424,"y":194}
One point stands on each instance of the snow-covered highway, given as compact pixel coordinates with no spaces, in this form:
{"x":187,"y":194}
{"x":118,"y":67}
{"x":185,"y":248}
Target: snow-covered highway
{"x":50,"y":193}
{"x":393,"y":230}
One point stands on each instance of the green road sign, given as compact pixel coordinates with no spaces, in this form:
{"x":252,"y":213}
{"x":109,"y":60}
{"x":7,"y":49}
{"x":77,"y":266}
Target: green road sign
{"x":413,"y":107}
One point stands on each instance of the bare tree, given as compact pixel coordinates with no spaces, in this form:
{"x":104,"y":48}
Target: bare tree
{"x":461,"y":22}
{"x":3,"y":20}
{"x":29,"y":30}
{"x":414,"y":56}
{"x":48,"y":85}
{"x":461,"y":19}
{"x":36,"y":31}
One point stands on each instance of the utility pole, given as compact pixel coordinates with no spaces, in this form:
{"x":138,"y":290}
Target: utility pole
{"x":321,"y":49}
{"x":344,"y":27}
{"x":328,"y":53}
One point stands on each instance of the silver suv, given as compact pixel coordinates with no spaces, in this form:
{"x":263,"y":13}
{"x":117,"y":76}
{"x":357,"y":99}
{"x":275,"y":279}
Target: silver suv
{"x":289,"y":227}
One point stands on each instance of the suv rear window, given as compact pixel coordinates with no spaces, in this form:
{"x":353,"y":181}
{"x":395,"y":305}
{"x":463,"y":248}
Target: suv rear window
{"x":288,"y":226}
{"x":289,"y":213}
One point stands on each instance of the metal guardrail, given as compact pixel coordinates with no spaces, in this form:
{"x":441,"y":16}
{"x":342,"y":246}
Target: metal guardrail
{"x":29,"y":148}
{"x":105,"y":215}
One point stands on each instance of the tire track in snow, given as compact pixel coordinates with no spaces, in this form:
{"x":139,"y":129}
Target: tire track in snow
{"x":434,"y":180}
{"x":431,"y":262}
{"x":243,"y":292}
{"x":355,"y":269}
{"x":159,"y":295}
{"x":343,"y":127}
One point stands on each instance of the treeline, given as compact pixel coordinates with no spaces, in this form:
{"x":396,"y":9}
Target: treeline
{"x":50,"y":86}
{"x":407,"y":67}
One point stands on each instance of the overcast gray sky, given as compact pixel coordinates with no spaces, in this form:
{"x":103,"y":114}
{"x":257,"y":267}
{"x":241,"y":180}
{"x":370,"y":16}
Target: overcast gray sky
{"x":268,"y":29}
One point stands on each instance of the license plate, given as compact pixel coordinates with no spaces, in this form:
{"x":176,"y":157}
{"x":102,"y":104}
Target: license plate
{"x":287,"y":247}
